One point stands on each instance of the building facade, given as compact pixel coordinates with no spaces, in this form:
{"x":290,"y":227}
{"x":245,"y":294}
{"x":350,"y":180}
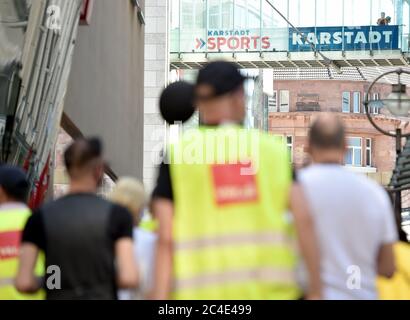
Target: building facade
{"x":37,"y":41}
{"x":105,"y":95}
{"x":156,"y":76}
{"x":295,"y":104}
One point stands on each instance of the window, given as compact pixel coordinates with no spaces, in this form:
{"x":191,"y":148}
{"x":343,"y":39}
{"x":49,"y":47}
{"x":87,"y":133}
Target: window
{"x":200,"y":14}
{"x":214,"y":14}
{"x":375,"y":108}
{"x":273,"y":102}
{"x":226,"y":15}
{"x":239,"y":17}
{"x":288,"y":141}
{"x":220,"y":13}
{"x":289,"y":146}
{"x":192,"y":14}
{"x":354,"y":152}
{"x":356,"y":102}
{"x":284,"y":101}
{"x":187,"y":14}
{"x":368,"y":152}
{"x":325,"y":12}
{"x":346,"y":102}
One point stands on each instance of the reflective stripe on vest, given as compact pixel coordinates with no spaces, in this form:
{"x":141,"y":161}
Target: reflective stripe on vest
{"x":6,"y":282}
{"x":268,"y":275}
{"x":268,"y":238}
{"x":232,"y":239}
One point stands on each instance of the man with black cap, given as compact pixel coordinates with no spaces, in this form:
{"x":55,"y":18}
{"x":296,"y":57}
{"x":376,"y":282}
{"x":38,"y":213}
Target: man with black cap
{"x":221,"y":202}
{"x":14,"y":213}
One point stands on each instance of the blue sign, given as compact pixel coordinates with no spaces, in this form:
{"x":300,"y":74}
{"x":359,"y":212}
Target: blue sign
{"x":345,"y":38}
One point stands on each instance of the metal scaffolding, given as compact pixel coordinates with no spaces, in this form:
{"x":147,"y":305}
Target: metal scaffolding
{"x":41,"y":71}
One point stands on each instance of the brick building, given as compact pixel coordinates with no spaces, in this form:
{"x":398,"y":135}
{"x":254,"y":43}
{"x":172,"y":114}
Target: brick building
{"x":295,"y":104}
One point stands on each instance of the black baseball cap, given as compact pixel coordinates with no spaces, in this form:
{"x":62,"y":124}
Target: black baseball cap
{"x":176,"y":103}
{"x":14,"y":182}
{"x":222,"y":76}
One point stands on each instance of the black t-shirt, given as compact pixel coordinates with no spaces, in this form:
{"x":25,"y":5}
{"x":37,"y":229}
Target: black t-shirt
{"x":120,"y":226}
{"x":163,"y":188}
{"x":78,"y":233}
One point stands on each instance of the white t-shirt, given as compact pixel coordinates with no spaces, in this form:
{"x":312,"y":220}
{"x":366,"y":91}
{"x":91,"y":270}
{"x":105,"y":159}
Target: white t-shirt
{"x":353,"y":218}
{"x":144,"y":254}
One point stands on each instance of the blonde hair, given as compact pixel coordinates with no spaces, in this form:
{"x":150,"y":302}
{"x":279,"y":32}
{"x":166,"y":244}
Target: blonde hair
{"x":129,"y":193}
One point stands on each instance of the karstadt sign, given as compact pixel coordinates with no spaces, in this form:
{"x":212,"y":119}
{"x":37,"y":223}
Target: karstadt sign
{"x":287,"y":39}
{"x":233,"y":40}
{"x":345,"y":38}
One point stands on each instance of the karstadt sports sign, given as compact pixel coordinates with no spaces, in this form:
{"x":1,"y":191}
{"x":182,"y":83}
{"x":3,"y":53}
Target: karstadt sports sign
{"x":287,"y":39}
{"x":233,"y":40}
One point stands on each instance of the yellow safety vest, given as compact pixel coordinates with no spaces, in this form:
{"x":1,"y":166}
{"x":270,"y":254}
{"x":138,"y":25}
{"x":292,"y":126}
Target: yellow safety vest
{"x":398,"y":287}
{"x":148,"y":224}
{"x":232,"y":238}
{"x":12,"y":223}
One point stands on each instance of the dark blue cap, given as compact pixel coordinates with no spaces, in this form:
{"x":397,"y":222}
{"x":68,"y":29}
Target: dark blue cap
{"x":13,"y":180}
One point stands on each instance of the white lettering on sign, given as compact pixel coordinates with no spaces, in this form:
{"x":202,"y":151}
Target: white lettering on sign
{"x":387,"y":35}
{"x":312,"y":38}
{"x":360,"y":38}
{"x":327,"y":38}
{"x":297,"y":39}
{"x":337,"y":36}
{"x":374,"y":37}
{"x":349,"y":36}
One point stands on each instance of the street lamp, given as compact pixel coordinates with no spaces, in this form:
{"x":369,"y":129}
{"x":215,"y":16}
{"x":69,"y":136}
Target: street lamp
{"x":398,"y":104}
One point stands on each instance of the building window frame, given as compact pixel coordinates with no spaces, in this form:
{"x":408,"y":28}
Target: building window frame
{"x":284,"y":107}
{"x":187,"y":17}
{"x":356,"y":101}
{"x":354,"y":149}
{"x":273,"y":102}
{"x":289,"y":146}
{"x":287,"y":142}
{"x":368,"y":152}
{"x":346,"y":95}
{"x":376,"y":97}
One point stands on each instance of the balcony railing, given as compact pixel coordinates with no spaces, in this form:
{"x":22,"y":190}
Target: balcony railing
{"x":307,"y":106}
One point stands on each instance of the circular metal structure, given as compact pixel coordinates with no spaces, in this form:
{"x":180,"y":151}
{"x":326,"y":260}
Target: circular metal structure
{"x":367,"y":102}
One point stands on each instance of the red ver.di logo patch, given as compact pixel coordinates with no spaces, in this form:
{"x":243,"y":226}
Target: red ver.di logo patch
{"x":9,"y":244}
{"x":232,"y":186}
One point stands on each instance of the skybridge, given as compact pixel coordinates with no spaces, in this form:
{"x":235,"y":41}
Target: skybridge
{"x":290,"y":33}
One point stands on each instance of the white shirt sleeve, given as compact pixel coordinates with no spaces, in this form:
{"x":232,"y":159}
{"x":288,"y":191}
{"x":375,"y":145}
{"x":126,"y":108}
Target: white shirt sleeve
{"x":389,"y":227}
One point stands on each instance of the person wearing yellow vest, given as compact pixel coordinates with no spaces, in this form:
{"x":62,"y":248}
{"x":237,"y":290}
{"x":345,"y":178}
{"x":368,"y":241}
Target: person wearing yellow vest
{"x":398,"y":286}
{"x":221,"y":205}
{"x":13,"y":216}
